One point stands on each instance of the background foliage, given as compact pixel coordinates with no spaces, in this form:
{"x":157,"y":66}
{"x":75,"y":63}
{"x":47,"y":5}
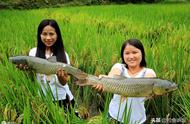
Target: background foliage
{"x":93,"y":36}
{"x":29,"y":4}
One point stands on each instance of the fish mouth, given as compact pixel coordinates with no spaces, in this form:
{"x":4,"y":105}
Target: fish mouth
{"x":172,"y":88}
{"x":167,"y":90}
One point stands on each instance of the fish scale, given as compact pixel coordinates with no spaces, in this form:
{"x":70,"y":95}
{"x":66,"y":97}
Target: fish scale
{"x":129,"y":89}
{"x":133,"y":87}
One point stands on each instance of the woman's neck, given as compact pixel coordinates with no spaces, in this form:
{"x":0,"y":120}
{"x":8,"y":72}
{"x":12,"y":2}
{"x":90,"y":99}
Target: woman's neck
{"x":133,"y":71}
{"x":48,"y":52}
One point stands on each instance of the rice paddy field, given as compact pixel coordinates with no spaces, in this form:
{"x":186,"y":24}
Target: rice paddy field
{"x":92,"y":37}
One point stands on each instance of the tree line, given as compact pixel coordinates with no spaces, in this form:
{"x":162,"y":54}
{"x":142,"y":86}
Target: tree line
{"x":29,"y":4}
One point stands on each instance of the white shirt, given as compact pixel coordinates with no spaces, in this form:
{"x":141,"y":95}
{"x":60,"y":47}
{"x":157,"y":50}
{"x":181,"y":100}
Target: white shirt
{"x":58,"y":90}
{"x":133,"y":105}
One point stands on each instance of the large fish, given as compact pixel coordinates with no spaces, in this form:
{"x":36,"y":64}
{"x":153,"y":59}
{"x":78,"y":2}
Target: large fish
{"x":131,"y":87}
{"x":44,"y":66}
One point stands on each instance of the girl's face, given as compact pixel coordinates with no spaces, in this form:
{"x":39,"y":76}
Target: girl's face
{"x":48,"y":36}
{"x":132,"y":56}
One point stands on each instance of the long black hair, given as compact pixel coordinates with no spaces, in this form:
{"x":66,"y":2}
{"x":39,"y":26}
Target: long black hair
{"x":57,"y":48}
{"x":136,"y":43}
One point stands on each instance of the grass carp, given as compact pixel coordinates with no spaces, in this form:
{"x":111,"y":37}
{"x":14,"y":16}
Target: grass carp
{"x":43,"y":66}
{"x":130,"y":87}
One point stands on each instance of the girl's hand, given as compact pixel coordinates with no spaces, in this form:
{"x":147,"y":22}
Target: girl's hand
{"x":99,"y":87}
{"x":22,"y":67}
{"x":62,"y":76}
{"x":113,"y":72}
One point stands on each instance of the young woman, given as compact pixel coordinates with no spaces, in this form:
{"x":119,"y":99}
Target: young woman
{"x":133,"y":66}
{"x":50,"y":43}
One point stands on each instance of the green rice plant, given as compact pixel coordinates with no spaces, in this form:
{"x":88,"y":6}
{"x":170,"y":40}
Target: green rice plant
{"x":184,"y":105}
{"x":27,"y":111}
{"x":23,"y":94}
{"x":92,"y":37}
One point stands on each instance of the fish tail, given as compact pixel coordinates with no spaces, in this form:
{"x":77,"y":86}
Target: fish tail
{"x":77,"y":73}
{"x":82,"y":77}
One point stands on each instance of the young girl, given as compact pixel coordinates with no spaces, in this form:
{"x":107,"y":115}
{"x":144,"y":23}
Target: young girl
{"x":133,"y":66}
{"x":50,"y":44}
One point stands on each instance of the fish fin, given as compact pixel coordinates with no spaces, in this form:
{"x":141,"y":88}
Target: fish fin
{"x":76,"y":72}
{"x":52,"y":59}
{"x":82,"y":82}
{"x":152,"y":96}
{"x":147,"y":98}
{"x":122,"y":98}
{"x":119,"y":77}
{"x":81,"y":75}
{"x":147,"y":78}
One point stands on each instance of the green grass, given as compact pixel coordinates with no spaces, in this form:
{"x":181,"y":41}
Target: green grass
{"x":92,"y":37}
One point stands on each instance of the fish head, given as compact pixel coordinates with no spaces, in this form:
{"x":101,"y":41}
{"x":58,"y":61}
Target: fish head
{"x":164,"y":86}
{"x":18,"y":60}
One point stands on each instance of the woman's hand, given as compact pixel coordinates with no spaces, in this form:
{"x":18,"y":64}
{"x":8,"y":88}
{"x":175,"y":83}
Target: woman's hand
{"x":99,"y":87}
{"x":23,"y":67}
{"x":62,"y":76}
{"x":113,"y":72}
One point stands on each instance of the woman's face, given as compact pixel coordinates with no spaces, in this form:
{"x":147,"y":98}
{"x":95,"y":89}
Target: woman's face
{"x":48,"y":36}
{"x":132,"y":56}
